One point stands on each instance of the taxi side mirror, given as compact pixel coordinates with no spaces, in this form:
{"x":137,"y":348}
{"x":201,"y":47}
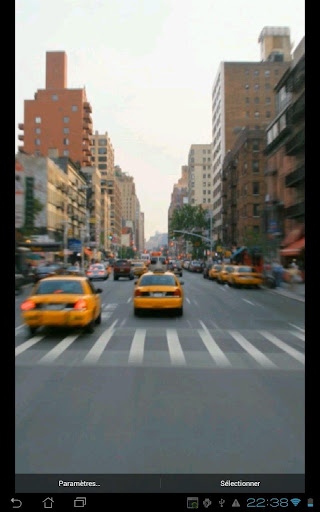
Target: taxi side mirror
{"x":98,"y":290}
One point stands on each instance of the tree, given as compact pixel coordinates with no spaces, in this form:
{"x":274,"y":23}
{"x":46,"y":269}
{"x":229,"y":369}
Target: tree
{"x":190,"y":218}
{"x":34,"y":207}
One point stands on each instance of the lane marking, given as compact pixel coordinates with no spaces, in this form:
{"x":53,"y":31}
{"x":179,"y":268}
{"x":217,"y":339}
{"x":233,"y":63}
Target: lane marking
{"x":110,"y":306}
{"x":27,"y":344}
{"x":20,"y":327}
{"x":214,"y":350}
{"x":129,"y":300}
{"x":290,"y":350}
{"x":298,"y":335}
{"x":106,"y":314}
{"x":103,"y":305}
{"x":123,"y":322}
{"x":137,"y":347}
{"x":175,"y":349}
{"x":248,"y":301}
{"x":57,"y":350}
{"x":262,"y":359}
{"x":100,"y":345}
{"x":195,"y":302}
{"x":188,"y":300}
{"x":296,"y":327}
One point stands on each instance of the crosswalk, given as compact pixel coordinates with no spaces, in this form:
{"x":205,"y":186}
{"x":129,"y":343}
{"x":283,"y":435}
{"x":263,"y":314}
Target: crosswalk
{"x":118,"y":345}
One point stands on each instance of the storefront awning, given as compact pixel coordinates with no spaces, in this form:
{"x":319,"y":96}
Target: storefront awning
{"x":293,"y":236}
{"x":293,"y":249}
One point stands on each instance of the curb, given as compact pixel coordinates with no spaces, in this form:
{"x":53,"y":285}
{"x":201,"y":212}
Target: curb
{"x":289,"y":295}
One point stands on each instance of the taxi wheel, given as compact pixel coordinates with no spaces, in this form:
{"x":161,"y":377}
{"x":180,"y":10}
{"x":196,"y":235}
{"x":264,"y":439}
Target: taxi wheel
{"x":136,"y":312}
{"x":32,"y":330}
{"x":98,"y":319}
{"x":90,"y":327}
{"x":180,"y":311}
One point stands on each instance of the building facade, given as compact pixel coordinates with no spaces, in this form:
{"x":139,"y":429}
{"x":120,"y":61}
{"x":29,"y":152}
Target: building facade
{"x":58,"y":118}
{"x":285,"y":152}
{"x":243,"y":97}
{"x":200,"y":175}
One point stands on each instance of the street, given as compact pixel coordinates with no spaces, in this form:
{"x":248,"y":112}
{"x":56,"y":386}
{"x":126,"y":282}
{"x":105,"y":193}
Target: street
{"x":218,"y":390}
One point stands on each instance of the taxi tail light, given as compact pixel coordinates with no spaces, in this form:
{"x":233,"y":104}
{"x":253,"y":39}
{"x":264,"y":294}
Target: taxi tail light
{"x":177,"y":293}
{"x":27,"y":305}
{"x":137,"y":292}
{"x":89,"y":273}
{"x":80,"y":304}
{"x":101,"y":272}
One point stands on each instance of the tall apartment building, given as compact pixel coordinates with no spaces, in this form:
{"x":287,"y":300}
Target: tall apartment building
{"x":128,"y":195}
{"x":284,"y":217}
{"x":94,"y":213}
{"x":58,"y":187}
{"x":58,"y":118}
{"x":103,"y":158}
{"x":179,"y":197}
{"x":141,"y":233}
{"x":243,"y":97}
{"x":200,"y":175}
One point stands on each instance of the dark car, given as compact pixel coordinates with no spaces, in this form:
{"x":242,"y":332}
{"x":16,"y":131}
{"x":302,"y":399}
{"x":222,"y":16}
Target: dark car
{"x":19,"y":281}
{"x":175,"y":267}
{"x":47,"y":270}
{"x":206,"y":269}
{"x":122,"y":268}
{"x":97,"y":271}
{"x":195,"y":266}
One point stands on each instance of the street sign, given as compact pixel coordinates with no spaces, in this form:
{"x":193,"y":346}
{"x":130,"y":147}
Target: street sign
{"x":74,"y":245}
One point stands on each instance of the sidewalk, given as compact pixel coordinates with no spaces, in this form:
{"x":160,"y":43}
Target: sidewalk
{"x":297,"y":293}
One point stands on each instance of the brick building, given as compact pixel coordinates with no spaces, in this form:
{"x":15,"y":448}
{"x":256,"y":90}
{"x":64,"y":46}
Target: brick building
{"x":57,"y":119}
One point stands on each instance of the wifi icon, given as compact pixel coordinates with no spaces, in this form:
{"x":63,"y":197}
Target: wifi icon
{"x":295,"y":501}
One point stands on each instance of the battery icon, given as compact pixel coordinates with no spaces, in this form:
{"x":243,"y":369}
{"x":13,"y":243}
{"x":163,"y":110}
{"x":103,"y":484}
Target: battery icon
{"x":310,"y":502}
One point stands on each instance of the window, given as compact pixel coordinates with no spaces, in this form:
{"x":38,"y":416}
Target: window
{"x":204,"y":167}
{"x":208,"y":151}
{"x":102,"y":166}
{"x":256,"y":210}
{"x":255,"y":166}
{"x":102,"y":151}
{"x":54,"y":97}
{"x":203,"y":151}
{"x":204,"y":175}
{"x":247,"y":115}
{"x":267,"y":73}
{"x":204,"y":160}
{"x":74,"y":108}
{"x":256,"y":72}
{"x":38,"y":120}
{"x":66,"y":142}
{"x":37,"y":142}
{"x":267,"y":86}
{"x":246,"y":86}
{"x":204,"y":192}
{"x":38,"y":131}
{"x":93,"y":141}
{"x":256,"y":87}
{"x":66,"y":119}
{"x":257,"y":114}
{"x":66,"y":130}
{"x":247,"y":100}
{"x":102,"y":158}
{"x":268,"y":100}
{"x":255,"y":188}
{"x":102,"y":142}
{"x":256,"y":230}
{"x":209,"y":200}
{"x":256,"y":100}
{"x":255,"y":145}
{"x":65,"y":152}
{"x":268,"y":114}
{"x":93,"y":150}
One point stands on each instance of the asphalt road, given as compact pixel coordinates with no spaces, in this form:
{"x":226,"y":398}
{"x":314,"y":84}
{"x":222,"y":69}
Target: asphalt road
{"x":219,"y":390}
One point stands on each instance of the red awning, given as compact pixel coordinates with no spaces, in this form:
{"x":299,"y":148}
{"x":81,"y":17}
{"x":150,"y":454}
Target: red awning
{"x":293,"y":249}
{"x":293,"y":236}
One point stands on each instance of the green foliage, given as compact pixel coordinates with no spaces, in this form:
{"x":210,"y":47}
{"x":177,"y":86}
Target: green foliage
{"x":190,"y":218}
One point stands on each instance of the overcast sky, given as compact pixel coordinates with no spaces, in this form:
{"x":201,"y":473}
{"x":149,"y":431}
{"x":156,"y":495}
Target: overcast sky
{"x":148,"y":67}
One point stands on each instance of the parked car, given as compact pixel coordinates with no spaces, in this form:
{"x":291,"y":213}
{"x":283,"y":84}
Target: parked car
{"x":122,"y":268}
{"x":63,"y":301}
{"x":213,"y":272}
{"x":186,"y":264}
{"x":222,"y":275}
{"x":47,"y":270}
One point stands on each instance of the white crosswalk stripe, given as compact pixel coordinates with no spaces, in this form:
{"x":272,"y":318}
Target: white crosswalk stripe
{"x":261,"y":358}
{"x":213,"y":348}
{"x":100,"y":345}
{"x":27,"y":344}
{"x":175,"y":349}
{"x":298,"y":335}
{"x":137,"y":347}
{"x":110,"y":306}
{"x":284,"y":346}
{"x":57,"y":350}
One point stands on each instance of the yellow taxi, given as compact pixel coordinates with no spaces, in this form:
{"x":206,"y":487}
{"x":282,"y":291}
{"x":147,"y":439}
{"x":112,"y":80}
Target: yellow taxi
{"x":222,"y":276}
{"x":213,"y":272}
{"x":243,"y":275}
{"x":158,"y":290}
{"x":139,"y":267}
{"x":64,"y":301}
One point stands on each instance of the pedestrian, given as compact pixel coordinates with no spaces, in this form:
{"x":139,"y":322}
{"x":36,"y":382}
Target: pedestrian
{"x":294,"y":275}
{"x":277,"y":270}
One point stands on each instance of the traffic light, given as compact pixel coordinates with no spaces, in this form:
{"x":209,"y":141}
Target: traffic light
{"x":173,"y":238}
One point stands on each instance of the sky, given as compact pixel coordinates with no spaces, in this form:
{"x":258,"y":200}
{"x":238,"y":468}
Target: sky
{"x":148,"y":67}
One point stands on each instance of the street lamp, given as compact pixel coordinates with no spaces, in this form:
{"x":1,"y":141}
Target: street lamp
{"x":65,"y":241}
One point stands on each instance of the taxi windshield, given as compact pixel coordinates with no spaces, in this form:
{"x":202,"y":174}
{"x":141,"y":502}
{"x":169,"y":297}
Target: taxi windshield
{"x":158,"y":280}
{"x":59,"y":286}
